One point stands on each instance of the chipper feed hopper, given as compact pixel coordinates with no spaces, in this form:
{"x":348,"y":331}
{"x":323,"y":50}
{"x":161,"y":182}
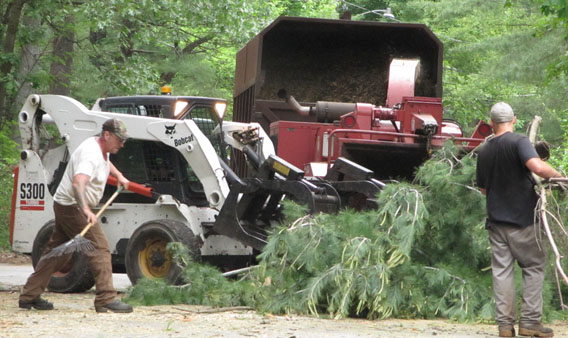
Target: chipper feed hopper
{"x":366,"y":91}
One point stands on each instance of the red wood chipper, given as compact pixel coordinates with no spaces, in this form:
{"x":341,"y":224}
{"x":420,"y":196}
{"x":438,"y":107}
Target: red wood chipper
{"x":393,"y":71}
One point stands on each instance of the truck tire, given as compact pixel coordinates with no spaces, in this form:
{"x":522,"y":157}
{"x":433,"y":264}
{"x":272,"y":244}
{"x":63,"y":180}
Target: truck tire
{"x":76,"y":276}
{"x":146,"y":253}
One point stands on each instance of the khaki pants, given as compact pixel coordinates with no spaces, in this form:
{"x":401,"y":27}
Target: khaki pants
{"x":69,"y":221}
{"x":510,"y":244}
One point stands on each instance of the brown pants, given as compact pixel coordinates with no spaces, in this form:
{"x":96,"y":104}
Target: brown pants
{"x":69,"y":221}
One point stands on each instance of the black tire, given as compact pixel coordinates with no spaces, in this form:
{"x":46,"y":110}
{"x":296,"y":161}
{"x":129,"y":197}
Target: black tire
{"x":146,"y":254}
{"x":76,"y":276}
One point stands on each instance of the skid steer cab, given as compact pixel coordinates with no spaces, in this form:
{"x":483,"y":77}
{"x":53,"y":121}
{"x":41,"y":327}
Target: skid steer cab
{"x":185,"y":192}
{"x":206,"y":112}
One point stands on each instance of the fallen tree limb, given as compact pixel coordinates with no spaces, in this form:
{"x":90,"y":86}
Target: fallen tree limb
{"x":544,"y":221}
{"x":542,"y":208}
{"x":217,"y":310}
{"x":239,"y":271}
{"x":557,"y":180}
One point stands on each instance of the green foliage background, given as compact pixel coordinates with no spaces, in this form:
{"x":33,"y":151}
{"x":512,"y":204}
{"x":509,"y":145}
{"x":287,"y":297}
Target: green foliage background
{"x":510,"y":50}
{"x":8,"y":155}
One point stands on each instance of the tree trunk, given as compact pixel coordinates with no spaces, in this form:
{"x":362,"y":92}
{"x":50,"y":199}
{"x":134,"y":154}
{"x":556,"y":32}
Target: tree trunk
{"x":30,"y":58}
{"x":62,"y":65}
{"x":126,"y":44}
{"x":12,"y":20}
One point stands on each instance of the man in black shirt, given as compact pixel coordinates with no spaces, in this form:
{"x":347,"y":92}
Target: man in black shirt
{"x":505,"y":165}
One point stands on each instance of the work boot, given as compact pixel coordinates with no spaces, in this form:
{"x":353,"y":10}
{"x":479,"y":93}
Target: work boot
{"x":535,"y":330}
{"x":506,"y":331}
{"x":37,"y":303}
{"x":115,"y":306}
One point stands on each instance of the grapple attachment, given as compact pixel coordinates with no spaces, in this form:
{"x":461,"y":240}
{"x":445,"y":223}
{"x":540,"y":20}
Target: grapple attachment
{"x":253,"y":203}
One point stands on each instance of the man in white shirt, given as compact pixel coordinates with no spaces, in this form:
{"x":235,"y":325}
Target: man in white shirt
{"x":80,"y":190}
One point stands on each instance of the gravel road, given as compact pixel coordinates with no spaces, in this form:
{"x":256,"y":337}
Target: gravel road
{"x":75,"y":316}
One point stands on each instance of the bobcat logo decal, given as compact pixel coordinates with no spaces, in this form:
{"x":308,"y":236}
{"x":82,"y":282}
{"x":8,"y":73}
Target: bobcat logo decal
{"x":171,"y":130}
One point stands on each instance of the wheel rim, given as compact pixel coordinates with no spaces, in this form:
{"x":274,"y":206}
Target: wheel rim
{"x":154,"y":259}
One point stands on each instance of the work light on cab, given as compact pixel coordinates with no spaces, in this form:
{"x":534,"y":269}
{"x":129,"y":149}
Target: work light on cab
{"x":180,"y":107}
{"x":166,"y":90}
{"x":220,"y":108}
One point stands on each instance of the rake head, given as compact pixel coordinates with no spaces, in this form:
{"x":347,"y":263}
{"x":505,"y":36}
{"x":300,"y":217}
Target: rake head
{"x":77,"y":244}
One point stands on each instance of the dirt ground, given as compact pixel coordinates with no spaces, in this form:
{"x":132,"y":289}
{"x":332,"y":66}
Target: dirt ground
{"x":74,"y":316}
{"x":10,"y":257}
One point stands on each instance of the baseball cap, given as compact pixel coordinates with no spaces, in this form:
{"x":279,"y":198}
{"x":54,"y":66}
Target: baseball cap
{"x":502,"y":112}
{"x":117,"y":127}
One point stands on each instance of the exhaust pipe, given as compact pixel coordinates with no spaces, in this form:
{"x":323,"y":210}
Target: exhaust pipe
{"x":304,"y":111}
{"x":325,"y":111}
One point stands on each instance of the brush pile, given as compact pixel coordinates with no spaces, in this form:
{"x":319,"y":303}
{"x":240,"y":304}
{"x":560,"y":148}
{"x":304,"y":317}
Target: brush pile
{"x":423,"y":254}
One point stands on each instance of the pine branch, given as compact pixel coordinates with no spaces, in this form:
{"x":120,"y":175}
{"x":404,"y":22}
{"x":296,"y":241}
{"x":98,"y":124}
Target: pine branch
{"x":420,"y":255}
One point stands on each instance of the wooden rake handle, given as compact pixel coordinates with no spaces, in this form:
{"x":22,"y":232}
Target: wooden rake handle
{"x":88,"y":226}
